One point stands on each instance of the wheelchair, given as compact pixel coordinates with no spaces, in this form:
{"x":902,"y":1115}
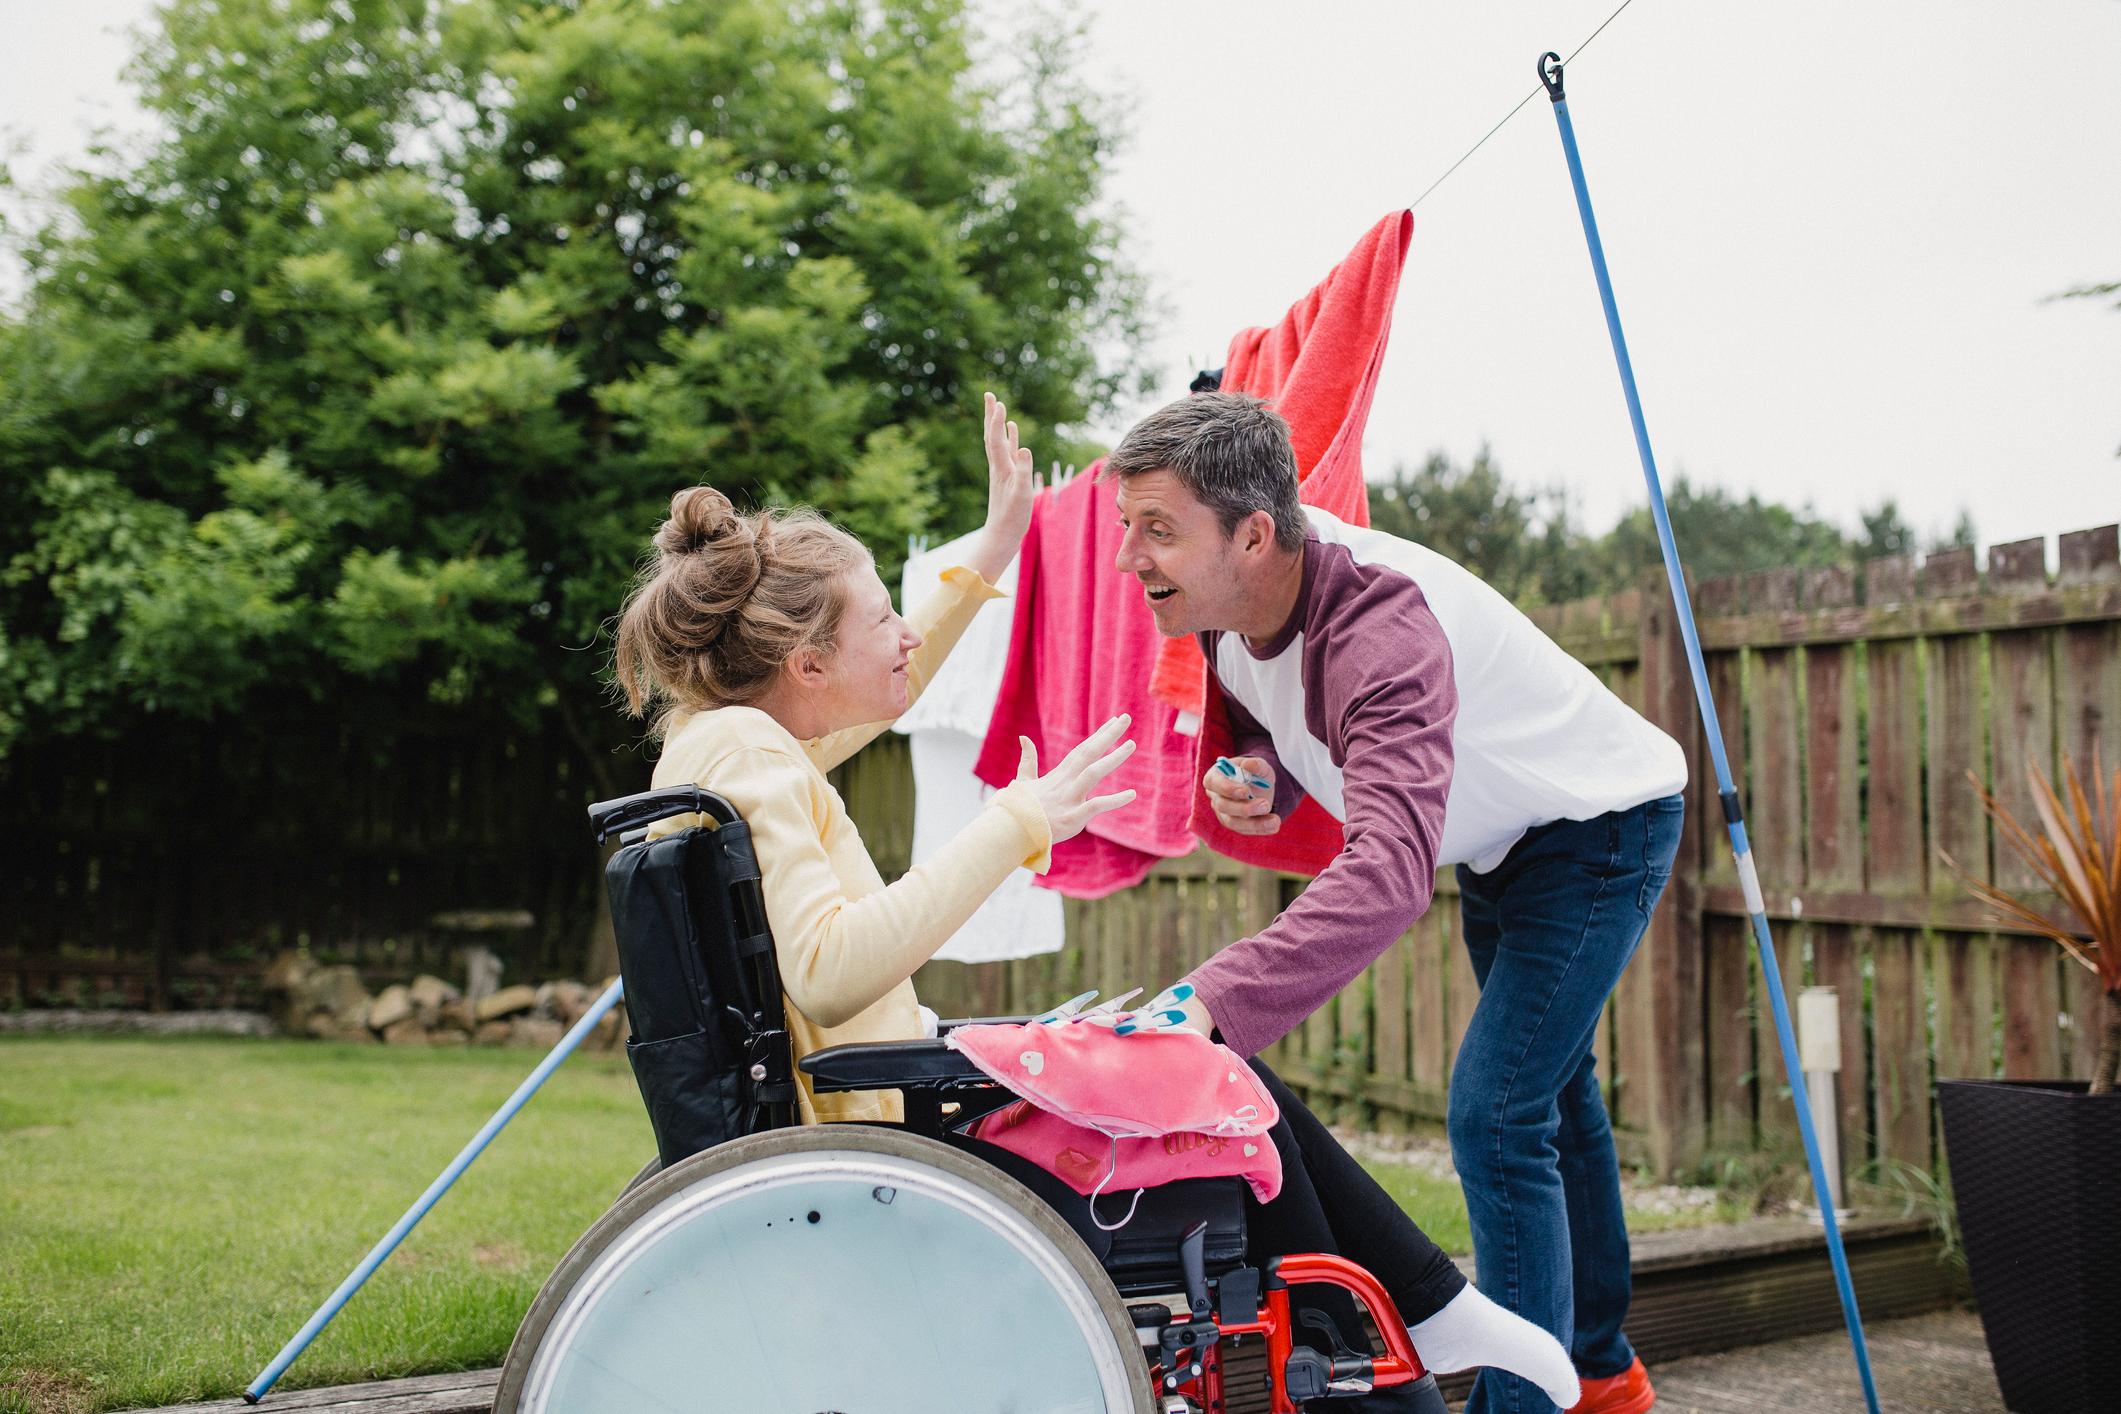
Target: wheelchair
{"x":763,"y":1266}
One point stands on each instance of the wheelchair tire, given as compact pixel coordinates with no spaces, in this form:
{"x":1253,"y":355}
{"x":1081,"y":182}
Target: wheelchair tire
{"x":648,"y":1170}
{"x":839,"y":1268}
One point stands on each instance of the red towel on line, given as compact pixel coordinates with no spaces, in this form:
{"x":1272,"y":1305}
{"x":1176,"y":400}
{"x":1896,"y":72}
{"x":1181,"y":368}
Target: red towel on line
{"x":1084,"y":644}
{"x":1319,"y":367}
{"x":1081,"y":648}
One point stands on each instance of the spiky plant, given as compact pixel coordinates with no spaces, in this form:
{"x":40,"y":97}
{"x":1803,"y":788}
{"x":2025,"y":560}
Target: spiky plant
{"x":2077,"y":854}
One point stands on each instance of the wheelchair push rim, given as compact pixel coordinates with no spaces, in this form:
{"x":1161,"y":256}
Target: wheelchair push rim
{"x":834,"y":1268}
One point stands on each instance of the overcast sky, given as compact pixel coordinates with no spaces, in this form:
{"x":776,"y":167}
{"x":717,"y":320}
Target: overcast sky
{"x":1833,"y":228}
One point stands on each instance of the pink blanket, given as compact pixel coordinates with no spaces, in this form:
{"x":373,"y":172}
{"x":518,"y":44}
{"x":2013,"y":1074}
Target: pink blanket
{"x":1105,"y":1112}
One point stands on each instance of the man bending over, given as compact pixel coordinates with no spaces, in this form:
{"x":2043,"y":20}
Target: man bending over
{"x":1440,"y":726}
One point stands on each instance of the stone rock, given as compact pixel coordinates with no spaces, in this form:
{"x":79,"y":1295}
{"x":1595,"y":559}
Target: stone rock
{"x":392,"y":1005}
{"x":610,"y":1030}
{"x":449,"y":1038}
{"x":337,"y":990}
{"x":455,"y":1016}
{"x":285,"y":977}
{"x":430,"y":994}
{"x":536,"y":1031}
{"x":506,"y":1002}
{"x":482,"y":973}
{"x":405,"y":1031}
{"x":326,"y":1027}
{"x":492,"y":1033}
{"x":570,"y":1000}
{"x":548,"y":999}
{"x":287,"y":971}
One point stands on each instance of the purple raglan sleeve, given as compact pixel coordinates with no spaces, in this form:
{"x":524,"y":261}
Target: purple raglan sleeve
{"x":1390,"y":730}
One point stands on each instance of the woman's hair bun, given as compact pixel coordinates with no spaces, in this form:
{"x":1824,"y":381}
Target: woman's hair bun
{"x":700,"y":516}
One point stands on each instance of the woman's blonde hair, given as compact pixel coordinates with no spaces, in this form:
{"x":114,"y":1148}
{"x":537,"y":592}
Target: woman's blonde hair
{"x":728,"y":598}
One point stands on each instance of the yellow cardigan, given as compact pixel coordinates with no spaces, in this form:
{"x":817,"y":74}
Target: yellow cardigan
{"x":847,"y":944}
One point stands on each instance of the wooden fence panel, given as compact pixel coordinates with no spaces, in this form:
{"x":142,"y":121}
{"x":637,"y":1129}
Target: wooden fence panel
{"x":2088,"y":730}
{"x":1854,"y":715}
{"x":1430,"y":1043}
{"x":1900,"y":1055}
{"x":1774,"y":806}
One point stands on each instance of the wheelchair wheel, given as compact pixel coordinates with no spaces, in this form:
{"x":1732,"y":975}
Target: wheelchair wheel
{"x":832,"y":1268}
{"x":647,"y":1171}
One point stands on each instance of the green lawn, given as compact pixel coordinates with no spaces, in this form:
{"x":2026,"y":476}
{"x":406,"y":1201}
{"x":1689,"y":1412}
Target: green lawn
{"x":172,"y":1210}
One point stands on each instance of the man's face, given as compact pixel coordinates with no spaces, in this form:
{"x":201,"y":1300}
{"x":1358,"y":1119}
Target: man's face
{"x":1176,"y":547}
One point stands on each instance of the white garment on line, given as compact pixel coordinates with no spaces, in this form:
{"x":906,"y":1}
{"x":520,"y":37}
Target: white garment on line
{"x":947,"y":727}
{"x":962,"y":694}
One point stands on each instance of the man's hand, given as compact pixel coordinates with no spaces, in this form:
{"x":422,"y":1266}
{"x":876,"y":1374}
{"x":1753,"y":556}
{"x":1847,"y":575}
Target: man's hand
{"x":1177,"y":1007}
{"x":1197,"y":1017}
{"x":1245,"y":808}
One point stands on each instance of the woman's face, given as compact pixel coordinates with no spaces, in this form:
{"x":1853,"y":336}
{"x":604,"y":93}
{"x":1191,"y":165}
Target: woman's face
{"x":866,"y":675}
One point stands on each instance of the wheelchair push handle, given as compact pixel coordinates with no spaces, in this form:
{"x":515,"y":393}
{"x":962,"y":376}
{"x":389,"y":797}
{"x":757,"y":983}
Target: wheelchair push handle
{"x":610,"y":817}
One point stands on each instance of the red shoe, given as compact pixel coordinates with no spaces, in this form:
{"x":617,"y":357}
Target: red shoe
{"x":1628,"y":1392}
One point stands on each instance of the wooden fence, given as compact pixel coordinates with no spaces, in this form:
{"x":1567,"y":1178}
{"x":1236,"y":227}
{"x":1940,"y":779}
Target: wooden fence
{"x":165,"y":873}
{"x":1854,"y":705}
{"x":165,"y":870}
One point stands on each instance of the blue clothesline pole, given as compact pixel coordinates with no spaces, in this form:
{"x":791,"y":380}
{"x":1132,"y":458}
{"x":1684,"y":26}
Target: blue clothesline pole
{"x":323,"y":1316}
{"x":1734,"y":818}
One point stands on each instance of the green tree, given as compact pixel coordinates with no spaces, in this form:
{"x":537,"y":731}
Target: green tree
{"x":368,"y":383}
{"x":1885,"y":532}
{"x":1718,"y":534}
{"x":1519,"y":541}
{"x":1526,"y":544}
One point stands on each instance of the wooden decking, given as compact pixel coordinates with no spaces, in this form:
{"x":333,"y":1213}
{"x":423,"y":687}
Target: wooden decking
{"x":466,"y":1392}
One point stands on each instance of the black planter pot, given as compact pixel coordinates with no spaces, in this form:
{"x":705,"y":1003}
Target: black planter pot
{"x":2036,"y":1170}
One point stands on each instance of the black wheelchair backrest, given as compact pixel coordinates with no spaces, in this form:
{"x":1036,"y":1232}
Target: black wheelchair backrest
{"x":709,"y":1047}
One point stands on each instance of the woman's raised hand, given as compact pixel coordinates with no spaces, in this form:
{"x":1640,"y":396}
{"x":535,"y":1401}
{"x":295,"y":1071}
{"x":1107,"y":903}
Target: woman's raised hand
{"x":1010,"y":488}
{"x":1065,"y":791}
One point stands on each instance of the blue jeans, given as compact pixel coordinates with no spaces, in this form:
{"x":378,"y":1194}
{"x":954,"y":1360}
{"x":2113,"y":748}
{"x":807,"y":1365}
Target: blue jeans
{"x":1549,"y":931}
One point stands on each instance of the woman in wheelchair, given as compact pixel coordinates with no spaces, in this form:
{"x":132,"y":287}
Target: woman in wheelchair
{"x":768,"y":645}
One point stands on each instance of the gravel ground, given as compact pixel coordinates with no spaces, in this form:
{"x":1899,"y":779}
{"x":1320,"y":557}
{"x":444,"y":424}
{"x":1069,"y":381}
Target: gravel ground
{"x":1431,"y":1154}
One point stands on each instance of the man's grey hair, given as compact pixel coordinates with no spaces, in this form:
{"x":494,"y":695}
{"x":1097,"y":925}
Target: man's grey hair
{"x":1230,"y":450}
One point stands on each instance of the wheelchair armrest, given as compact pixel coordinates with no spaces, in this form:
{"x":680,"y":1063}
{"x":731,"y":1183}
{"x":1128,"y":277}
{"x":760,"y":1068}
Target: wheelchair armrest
{"x":947,"y":1026}
{"x":890,"y":1065}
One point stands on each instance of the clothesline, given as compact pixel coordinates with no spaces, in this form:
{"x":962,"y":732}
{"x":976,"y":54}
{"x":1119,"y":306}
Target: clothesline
{"x":1052,"y":479}
{"x":1513,"y":112}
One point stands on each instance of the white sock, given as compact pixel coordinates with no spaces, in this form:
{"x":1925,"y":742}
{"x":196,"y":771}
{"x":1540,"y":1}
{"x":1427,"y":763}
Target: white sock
{"x":1474,"y":1331}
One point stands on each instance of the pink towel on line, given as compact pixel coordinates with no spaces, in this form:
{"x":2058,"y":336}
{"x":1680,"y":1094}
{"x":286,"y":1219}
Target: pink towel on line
{"x":1081,"y":649}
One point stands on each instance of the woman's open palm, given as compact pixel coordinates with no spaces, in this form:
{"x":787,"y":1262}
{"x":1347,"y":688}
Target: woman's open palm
{"x":1065,"y":791}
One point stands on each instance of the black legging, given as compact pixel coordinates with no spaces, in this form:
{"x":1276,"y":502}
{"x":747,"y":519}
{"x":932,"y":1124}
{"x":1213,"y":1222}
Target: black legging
{"x":1328,"y":1203}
